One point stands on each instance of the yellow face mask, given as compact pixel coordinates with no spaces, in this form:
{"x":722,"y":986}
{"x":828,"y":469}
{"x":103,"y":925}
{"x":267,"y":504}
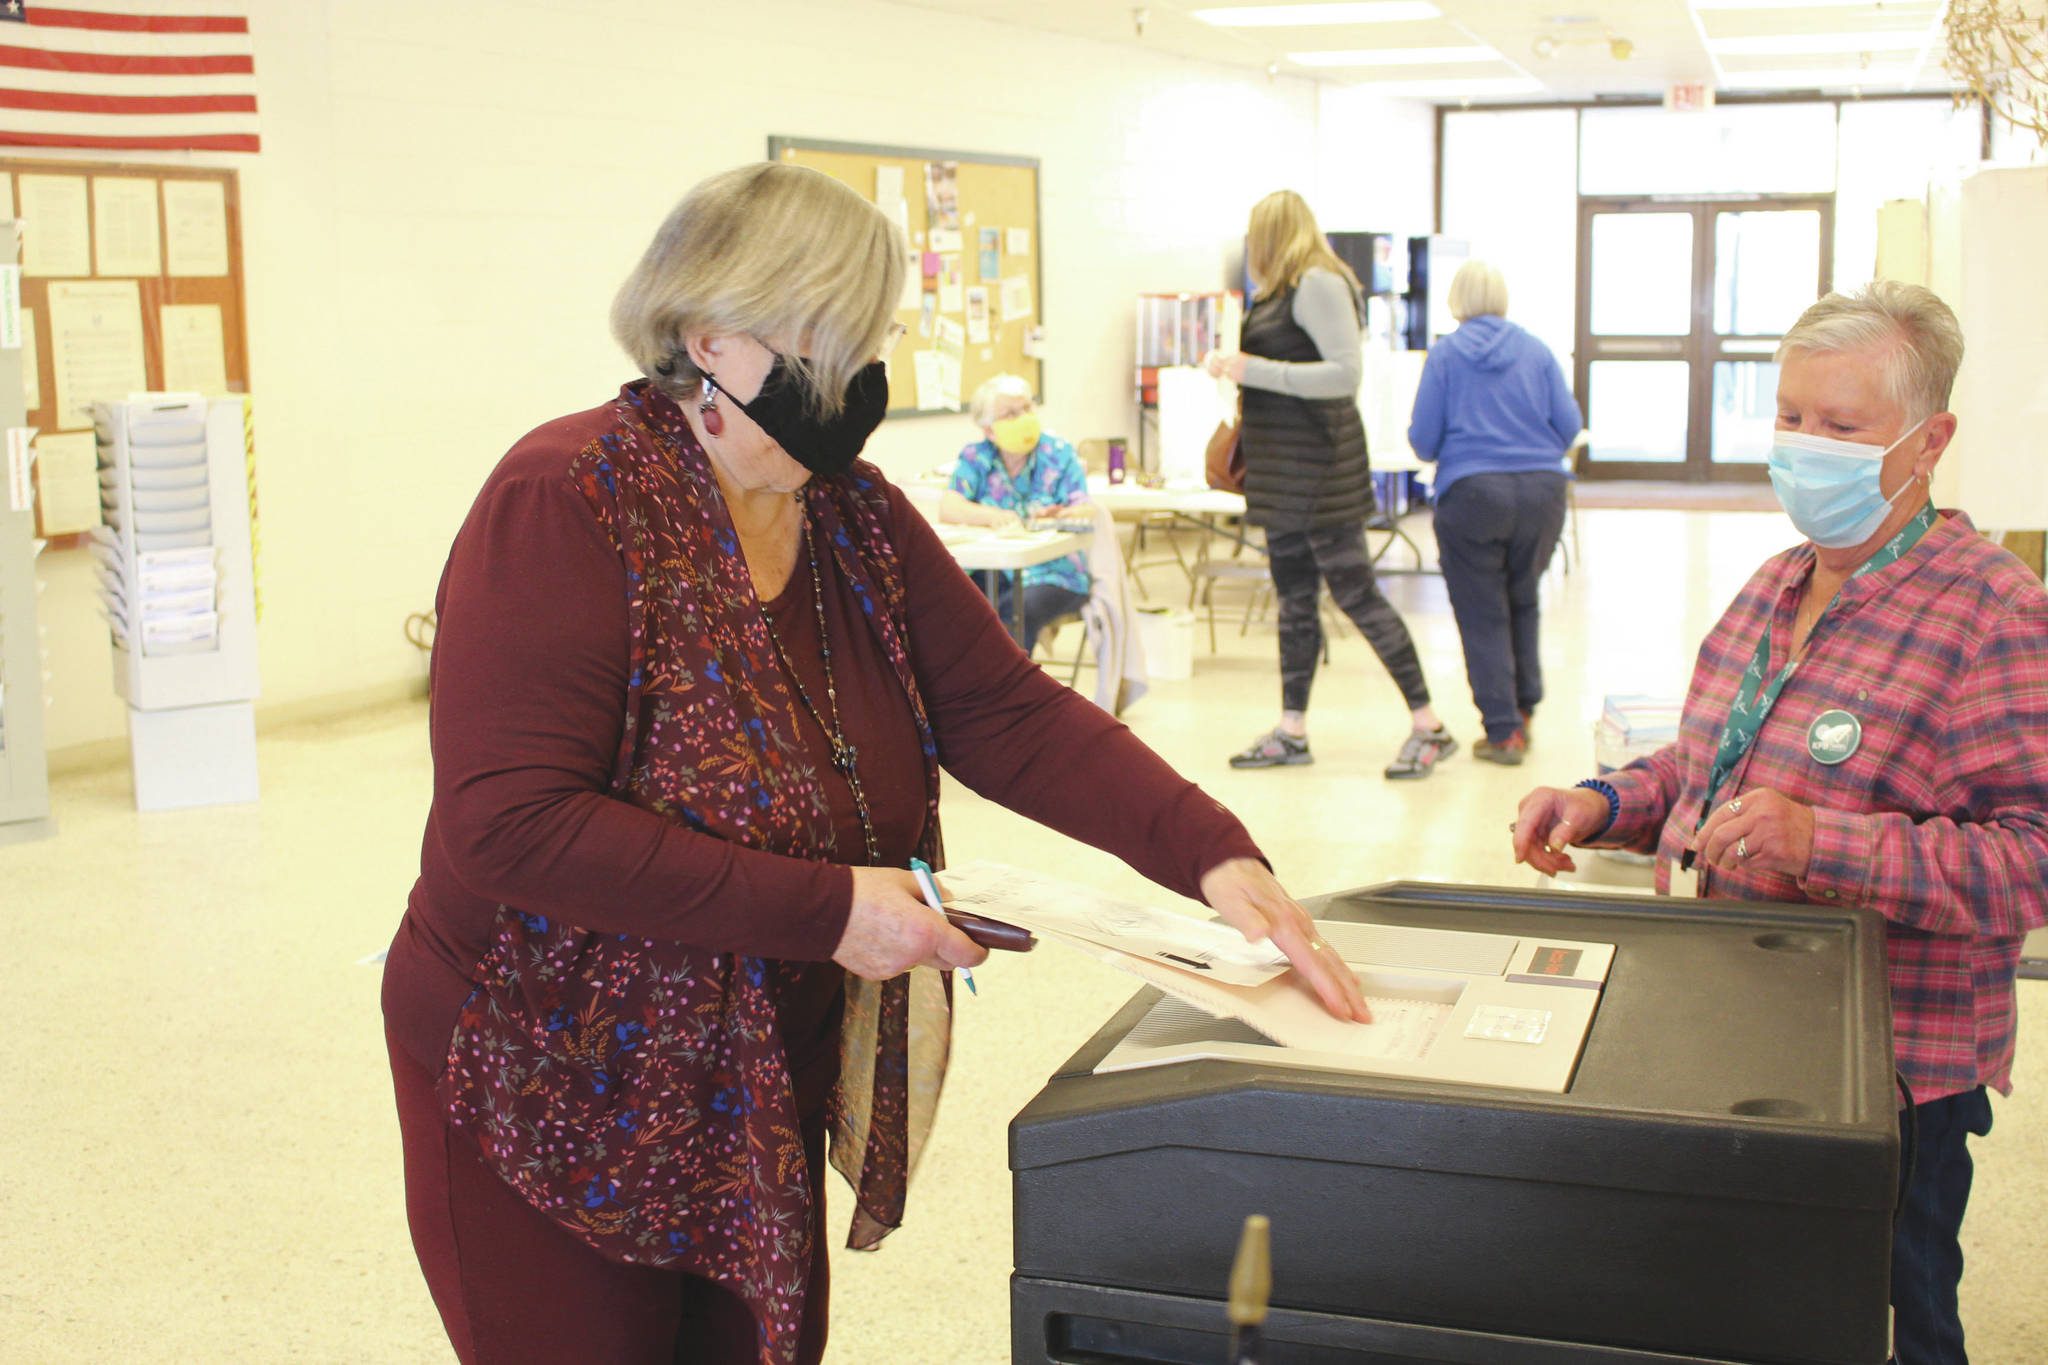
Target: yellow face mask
{"x":1016,"y":435}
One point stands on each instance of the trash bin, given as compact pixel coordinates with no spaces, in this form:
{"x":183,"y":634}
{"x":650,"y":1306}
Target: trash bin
{"x":1168,"y":635}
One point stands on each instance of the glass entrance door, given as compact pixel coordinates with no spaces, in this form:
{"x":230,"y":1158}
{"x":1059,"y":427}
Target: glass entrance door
{"x":1681,"y":305}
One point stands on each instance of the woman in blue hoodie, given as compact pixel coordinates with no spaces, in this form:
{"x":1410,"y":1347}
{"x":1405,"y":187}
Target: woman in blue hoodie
{"x":1496,"y":415}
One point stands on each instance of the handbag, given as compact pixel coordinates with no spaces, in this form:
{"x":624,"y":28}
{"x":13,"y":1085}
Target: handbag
{"x":1224,"y":460}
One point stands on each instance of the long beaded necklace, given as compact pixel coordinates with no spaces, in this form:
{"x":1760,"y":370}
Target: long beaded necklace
{"x":843,"y":754}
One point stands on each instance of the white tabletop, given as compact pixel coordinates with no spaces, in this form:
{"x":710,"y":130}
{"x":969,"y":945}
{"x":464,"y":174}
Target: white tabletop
{"x":978,"y":548}
{"x":1130,"y":496}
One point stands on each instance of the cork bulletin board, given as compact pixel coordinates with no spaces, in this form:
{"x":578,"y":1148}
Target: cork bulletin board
{"x":972,"y":305}
{"x":131,"y":280}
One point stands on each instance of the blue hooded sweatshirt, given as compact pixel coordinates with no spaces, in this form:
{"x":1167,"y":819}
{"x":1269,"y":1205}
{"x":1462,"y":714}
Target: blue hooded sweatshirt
{"x":1492,"y":400}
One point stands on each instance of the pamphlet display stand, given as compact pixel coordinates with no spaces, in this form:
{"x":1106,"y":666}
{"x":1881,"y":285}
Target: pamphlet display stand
{"x":179,"y":584}
{"x":24,"y":772}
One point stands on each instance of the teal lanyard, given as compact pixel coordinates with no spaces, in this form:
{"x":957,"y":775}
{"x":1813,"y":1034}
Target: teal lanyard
{"x":1754,"y":699}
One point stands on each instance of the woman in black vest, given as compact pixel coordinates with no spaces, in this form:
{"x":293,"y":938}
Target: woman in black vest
{"x":1306,"y":480}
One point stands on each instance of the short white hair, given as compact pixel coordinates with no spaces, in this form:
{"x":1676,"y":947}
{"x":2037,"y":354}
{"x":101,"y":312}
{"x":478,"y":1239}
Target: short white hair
{"x":982,"y":407}
{"x":1478,"y":290}
{"x":768,"y":250}
{"x":1922,"y":341}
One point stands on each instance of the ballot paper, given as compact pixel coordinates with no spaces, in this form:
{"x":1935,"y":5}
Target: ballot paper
{"x":1045,"y":904}
{"x":1206,"y":964}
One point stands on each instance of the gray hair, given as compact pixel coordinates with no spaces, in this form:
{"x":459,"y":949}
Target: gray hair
{"x":1477,"y":290}
{"x":1923,"y":343}
{"x":765,"y":250}
{"x":982,"y":407}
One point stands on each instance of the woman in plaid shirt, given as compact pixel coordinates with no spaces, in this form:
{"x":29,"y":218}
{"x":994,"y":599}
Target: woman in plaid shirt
{"x":1867,"y":725}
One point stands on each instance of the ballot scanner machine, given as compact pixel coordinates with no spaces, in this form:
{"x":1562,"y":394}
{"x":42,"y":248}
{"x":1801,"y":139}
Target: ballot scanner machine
{"x":1597,"y":1128}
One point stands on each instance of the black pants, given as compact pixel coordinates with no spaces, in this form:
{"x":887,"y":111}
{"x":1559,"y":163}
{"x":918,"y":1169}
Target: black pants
{"x":1927,"y":1258}
{"x":1302,"y":561}
{"x":1494,"y":535}
{"x":1042,"y":602}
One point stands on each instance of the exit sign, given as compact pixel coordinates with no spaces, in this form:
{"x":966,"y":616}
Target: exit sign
{"x":1688,"y":99}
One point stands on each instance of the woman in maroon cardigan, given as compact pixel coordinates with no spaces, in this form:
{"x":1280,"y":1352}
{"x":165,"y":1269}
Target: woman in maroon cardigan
{"x":696,"y":673}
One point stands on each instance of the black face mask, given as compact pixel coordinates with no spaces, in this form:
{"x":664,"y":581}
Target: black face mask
{"x":826,"y":446}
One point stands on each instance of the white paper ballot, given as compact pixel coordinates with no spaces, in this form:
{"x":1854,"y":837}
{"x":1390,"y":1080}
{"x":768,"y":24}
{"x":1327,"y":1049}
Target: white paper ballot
{"x":1045,"y":904}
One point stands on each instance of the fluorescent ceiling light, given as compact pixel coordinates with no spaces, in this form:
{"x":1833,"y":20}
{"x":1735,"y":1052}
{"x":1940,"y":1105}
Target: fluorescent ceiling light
{"x":1451,"y":90}
{"x":1835,"y":78}
{"x":1816,"y":44}
{"x":1787,"y":4}
{"x":1305,"y":16}
{"x":1396,"y":56}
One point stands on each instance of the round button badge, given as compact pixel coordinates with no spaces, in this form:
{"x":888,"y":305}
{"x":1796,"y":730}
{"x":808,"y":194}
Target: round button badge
{"x":1833,"y":736}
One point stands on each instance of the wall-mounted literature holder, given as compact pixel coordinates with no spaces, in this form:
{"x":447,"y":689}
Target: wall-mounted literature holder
{"x":179,"y":591}
{"x":24,"y":769}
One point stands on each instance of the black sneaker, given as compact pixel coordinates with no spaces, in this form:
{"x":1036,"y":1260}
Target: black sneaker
{"x":1420,"y":752}
{"x":1276,"y":748}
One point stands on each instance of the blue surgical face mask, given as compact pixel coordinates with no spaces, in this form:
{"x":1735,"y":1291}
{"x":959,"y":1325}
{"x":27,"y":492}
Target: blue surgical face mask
{"x":1830,"y":488}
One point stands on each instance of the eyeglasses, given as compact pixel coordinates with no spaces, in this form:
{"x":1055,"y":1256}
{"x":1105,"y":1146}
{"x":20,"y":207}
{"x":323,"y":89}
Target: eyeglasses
{"x":891,"y":338}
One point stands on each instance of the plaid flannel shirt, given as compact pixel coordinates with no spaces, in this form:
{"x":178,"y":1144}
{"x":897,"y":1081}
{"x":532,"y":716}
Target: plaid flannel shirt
{"x":1939,"y":819}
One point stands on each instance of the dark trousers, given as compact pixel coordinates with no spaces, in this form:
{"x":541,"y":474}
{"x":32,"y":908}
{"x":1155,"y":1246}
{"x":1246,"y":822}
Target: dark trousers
{"x":1927,"y":1258}
{"x":1302,"y":561}
{"x":1043,"y":602}
{"x":515,"y":1288}
{"x":1494,"y":536}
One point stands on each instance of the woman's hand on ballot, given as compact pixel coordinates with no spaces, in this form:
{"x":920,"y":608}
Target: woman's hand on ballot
{"x":1251,"y":900}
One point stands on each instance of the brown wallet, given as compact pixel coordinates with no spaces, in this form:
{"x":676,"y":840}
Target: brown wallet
{"x":992,"y":933}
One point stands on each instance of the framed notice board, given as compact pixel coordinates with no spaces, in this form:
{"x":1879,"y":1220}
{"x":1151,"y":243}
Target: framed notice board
{"x":131,"y":280}
{"x":972,"y":305}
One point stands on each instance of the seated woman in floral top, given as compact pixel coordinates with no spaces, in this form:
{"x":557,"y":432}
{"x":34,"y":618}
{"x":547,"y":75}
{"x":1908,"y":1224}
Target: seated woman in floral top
{"x":1016,"y":472}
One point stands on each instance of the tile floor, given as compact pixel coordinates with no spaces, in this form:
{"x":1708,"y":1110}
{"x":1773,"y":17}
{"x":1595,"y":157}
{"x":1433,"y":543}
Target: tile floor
{"x":200,"y":1162}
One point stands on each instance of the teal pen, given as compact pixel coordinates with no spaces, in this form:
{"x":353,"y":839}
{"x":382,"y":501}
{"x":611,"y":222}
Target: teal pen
{"x":922,"y":870}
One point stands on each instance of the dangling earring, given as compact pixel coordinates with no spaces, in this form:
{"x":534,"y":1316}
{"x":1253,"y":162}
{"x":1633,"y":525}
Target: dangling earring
{"x":707,"y":411}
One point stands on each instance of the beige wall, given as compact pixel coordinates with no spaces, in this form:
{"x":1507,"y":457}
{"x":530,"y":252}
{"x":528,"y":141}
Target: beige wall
{"x":449,"y":193}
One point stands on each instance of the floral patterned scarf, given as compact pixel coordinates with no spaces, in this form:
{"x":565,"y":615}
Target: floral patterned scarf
{"x":637,"y":1091}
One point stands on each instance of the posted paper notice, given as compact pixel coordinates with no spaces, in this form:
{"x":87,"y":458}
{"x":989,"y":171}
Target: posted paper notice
{"x":54,"y":240}
{"x":67,"y":483}
{"x":1016,"y":298}
{"x":977,"y":315}
{"x":95,"y":346}
{"x":195,"y":354}
{"x":124,"y":229}
{"x":929,"y":394}
{"x":196,"y":227}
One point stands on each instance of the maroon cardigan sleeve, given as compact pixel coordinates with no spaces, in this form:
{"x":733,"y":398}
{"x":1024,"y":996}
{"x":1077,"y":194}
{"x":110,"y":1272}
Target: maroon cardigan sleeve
{"x":529,"y":685}
{"x":1012,"y":733}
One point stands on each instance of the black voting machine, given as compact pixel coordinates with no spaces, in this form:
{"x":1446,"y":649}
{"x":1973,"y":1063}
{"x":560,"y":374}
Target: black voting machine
{"x":1715,"y":1183}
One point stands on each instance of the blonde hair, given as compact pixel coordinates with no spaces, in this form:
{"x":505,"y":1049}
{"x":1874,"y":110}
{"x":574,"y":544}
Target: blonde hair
{"x":1477,"y":290}
{"x":765,"y":250}
{"x":1922,"y":341}
{"x":1284,"y":243}
{"x":982,"y":407}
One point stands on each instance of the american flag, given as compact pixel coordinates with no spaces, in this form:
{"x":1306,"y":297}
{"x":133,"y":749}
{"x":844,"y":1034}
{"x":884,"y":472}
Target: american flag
{"x":127,"y":73}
